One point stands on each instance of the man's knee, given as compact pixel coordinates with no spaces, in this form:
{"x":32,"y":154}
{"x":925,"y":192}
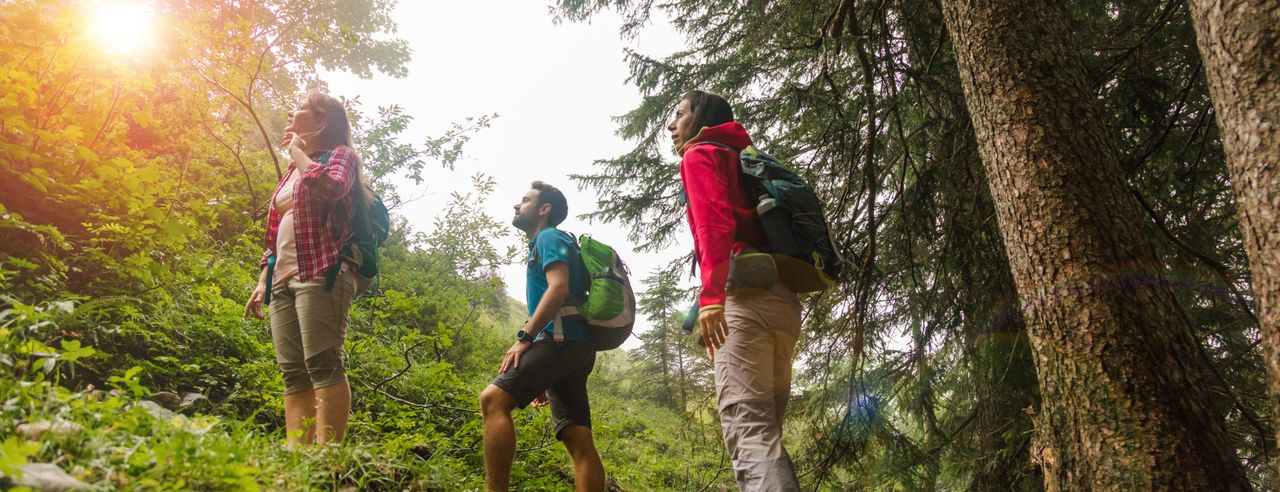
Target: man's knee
{"x":495,"y":400}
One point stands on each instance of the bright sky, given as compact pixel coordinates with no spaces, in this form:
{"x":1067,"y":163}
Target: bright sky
{"x":555,"y":88}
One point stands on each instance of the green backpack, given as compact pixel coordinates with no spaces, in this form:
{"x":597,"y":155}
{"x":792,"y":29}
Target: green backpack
{"x":610,"y":307}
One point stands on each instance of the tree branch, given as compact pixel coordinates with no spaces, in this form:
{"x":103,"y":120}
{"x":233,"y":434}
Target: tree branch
{"x":421,"y":405}
{"x":1218,"y":268}
{"x":248,"y":106}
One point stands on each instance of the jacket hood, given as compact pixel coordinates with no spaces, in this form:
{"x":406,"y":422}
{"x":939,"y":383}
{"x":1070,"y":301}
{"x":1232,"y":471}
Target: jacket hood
{"x":731,"y":134}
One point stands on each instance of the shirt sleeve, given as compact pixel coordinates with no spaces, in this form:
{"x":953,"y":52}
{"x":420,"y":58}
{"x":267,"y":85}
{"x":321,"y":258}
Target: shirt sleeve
{"x":705,"y":171}
{"x":332,"y":181}
{"x":553,"y":247}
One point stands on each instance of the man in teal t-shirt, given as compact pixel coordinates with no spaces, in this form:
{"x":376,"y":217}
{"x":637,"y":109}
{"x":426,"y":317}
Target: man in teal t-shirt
{"x":548,"y":247}
{"x":544,"y":364}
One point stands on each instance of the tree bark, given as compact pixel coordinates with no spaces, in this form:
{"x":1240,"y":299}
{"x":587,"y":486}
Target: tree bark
{"x":999,"y":359}
{"x":1240,"y":43}
{"x":1125,"y":405}
{"x":664,"y":356}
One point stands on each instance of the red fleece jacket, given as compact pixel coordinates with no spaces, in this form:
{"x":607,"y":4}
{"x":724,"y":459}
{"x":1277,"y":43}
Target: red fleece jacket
{"x":722,"y":218}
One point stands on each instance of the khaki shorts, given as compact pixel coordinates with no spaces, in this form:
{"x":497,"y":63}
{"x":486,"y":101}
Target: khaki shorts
{"x":308,"y":328}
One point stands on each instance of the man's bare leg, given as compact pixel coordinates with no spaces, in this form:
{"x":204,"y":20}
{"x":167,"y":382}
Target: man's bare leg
{"x":588,"y":470}
{"x":499,"y":437}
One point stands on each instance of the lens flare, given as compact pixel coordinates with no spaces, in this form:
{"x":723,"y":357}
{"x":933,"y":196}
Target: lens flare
{"x":122,"y":28}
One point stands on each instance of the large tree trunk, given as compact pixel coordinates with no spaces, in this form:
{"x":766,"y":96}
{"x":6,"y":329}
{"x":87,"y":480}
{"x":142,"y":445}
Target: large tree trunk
{"x":1122,"y":377}
{"x":1240,"y":44}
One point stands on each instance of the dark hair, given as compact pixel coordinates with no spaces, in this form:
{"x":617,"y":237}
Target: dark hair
{"x":548,"y":194}
{"x":709,"y":109}
{"x":335,"y":131}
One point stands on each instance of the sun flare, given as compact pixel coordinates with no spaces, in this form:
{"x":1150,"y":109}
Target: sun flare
{"x":122,"y":27}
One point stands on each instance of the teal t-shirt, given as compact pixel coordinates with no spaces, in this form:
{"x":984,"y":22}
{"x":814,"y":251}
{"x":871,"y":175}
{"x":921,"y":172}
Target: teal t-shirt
{"x":549,"y":246}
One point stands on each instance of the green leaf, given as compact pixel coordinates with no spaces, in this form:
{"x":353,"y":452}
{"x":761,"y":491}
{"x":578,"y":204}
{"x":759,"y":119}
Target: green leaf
{"x":14,"y":453}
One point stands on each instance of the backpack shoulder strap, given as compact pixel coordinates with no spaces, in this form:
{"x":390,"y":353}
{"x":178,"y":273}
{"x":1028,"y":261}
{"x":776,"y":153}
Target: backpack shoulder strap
{"x":533,"y":252}
{"x":569,"y":308}
{"x":533,"y":246}
{"x":572,"y":301}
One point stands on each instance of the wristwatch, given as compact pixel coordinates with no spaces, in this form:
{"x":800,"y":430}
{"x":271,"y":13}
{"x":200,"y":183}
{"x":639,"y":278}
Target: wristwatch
{"x":521,"y":336}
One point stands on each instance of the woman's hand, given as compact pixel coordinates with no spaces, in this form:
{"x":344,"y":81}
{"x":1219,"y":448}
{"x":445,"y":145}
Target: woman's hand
{"x":512,"y":357}
{"x":254,"y":305}
{"x":295,"y":144}
{"x":714,"y":330}
{"x":293,"y":141}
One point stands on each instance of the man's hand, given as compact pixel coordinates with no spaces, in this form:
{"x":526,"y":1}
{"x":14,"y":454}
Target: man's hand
{"x":714,"y":330}
{"x":512,"y":358}
{"x":539,"y":400}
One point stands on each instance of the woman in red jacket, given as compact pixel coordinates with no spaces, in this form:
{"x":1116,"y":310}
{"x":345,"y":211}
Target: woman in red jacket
{"x":748,"y":318}
{"x":309,"y":283}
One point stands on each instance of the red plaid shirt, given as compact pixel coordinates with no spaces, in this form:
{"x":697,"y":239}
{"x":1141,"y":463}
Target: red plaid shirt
{"x":322,"y":213}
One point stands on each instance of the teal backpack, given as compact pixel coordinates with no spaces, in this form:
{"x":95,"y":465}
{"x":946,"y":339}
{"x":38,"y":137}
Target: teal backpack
{"x":795,"y":227}
{"x":609,"y":309}
{"x":370,"y":228}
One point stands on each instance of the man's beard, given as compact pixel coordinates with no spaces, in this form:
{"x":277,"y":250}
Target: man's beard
{"x":523,"y":222}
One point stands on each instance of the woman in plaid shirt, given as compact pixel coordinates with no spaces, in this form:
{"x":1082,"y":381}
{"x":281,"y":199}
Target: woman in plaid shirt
{"x":311,"y":283}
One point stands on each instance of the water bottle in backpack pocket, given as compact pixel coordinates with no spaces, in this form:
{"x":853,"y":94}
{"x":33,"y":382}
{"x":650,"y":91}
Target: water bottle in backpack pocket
{"x":777,"y":227}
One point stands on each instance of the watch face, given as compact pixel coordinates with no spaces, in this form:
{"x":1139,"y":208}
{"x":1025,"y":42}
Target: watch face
{"x":521,"y":335}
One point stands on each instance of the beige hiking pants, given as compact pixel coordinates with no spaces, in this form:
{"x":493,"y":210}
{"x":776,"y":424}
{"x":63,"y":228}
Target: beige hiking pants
{"x":753,"y":383}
